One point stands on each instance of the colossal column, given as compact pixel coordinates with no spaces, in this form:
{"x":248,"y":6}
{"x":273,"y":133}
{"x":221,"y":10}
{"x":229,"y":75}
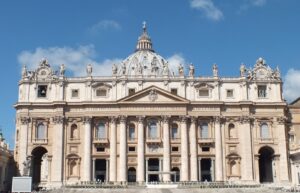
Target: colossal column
{"x":184,"y":176}
{"x":166,"y":149}
{"x":218,"y":150}
{"x":58,"y":148}
{"x":113,"y":150}
{"x":246,"y":145}
{"x":23,"y":143}
{"x":123,"y":151}
{"x":87,"y":161}
{"x":193,"y":150}
{"x":141,"y":151}
{"x":282,"y":149}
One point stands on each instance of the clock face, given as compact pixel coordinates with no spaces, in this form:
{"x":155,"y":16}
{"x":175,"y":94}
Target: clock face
{"x":261,"y":74}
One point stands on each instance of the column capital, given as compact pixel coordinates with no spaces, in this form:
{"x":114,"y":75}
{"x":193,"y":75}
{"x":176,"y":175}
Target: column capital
{"x":194,"y":119}
{"x":245,"y":119}
{"x":282,"y":119}
{"x":113,"y":119}
{"x":165,"y":118}
{"x":218,"y":119}
{"x":183,"y":118}
{"x":87,"y":120}
{"x":24,"y":120}
{"x":123,"y":118}
{"x":140,"y":119}
{"x":58,"y":119}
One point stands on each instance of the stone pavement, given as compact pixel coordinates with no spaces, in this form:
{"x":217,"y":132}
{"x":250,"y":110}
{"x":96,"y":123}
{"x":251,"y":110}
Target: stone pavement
{"x":177,"y":190}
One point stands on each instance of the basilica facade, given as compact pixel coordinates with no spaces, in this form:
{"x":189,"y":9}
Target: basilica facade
{"x":147,"y":123}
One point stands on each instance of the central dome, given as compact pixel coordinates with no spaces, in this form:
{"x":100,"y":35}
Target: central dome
{"x":144,"y":61}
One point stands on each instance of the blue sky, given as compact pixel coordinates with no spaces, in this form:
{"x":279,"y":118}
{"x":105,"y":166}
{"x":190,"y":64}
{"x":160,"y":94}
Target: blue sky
{"x":201,"y":32}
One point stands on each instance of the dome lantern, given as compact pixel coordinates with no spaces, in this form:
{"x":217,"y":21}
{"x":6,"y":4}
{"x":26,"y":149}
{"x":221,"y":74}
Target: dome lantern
{"x":144,"y":41}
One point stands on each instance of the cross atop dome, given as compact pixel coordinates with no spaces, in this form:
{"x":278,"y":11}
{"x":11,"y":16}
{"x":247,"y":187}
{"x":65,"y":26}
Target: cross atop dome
{"x":144,"y":41}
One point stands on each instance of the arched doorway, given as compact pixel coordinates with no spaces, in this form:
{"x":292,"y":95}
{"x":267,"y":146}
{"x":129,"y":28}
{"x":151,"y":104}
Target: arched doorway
{"x":131,"y":174}
{"x":265,"y":164}
{"x":37,"y":157}
{"x":175,"y":177}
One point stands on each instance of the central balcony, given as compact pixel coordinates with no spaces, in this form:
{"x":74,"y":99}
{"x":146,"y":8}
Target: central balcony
{"x":206,"y":140}
{"x":153,"y":140}
{"x":99,"y":140}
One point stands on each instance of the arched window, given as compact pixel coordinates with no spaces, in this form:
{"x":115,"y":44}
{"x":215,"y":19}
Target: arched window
{"x":100,"y":132}
{"x":41,"y":131}
{"x":74,"y":132}
{"x":174,"y":131}
{"x":204,"y":131}
{"x":131,"y":132}
{"x":231,"y":130}
{"x":152,"y":130}
{"x":264,"y":131}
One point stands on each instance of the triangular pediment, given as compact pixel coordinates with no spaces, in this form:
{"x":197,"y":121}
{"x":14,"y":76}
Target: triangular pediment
{"x":153,"y":95}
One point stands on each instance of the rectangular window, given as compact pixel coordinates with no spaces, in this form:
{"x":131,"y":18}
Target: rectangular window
{"x":262,"y":91}
{"x":100,"y":149}
{"x":131,"y":91}
{"x":205,"y":149}
{"x":42,"y":91}
{"x":175,"y":149}
{"x":174,"y":91}
{"x":101,"y":92}
{"x":75,"y":93}
{"x":229,"y":93}
{"x":204,"y":93}
{"x":131,"y":149}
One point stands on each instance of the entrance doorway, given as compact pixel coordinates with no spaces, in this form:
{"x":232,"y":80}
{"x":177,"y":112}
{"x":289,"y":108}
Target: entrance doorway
{"x":153,"y":165}
{"x":265,"y":164}
{"x":131,"y":174}
{"x":37,"y":155}
{"x":100,"y":170}
{"x":175,"y":177}
{"x":205,"y":170}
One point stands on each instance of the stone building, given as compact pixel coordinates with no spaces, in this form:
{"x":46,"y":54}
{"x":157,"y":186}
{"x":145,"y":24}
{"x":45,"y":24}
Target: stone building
{"x":6,"y":165}
{"x":147,"y":122}
{"x":294,"y":141}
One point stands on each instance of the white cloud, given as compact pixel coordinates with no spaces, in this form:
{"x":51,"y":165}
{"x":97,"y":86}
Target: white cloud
{"x":75,"y":59}
{"x":251,"y":3}
{"x":291,"y":86}
{"x":174,"y":62}
{"x":258,"y":2}
{"x":209,"y":9}
{"x":105,"y":25}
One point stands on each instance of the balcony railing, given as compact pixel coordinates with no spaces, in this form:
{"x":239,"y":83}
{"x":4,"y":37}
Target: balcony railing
{"x":40,"y":141}
{"x":175,"y":139}
{"x":206,"y":140}
{"x":153,"y":140}
{"x":132,"y":140}
{"x":266,"y":140}
{"x":100,"y":140}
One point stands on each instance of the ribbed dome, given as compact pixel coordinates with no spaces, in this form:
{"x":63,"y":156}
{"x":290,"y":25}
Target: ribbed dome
{"x":144,"y":61}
